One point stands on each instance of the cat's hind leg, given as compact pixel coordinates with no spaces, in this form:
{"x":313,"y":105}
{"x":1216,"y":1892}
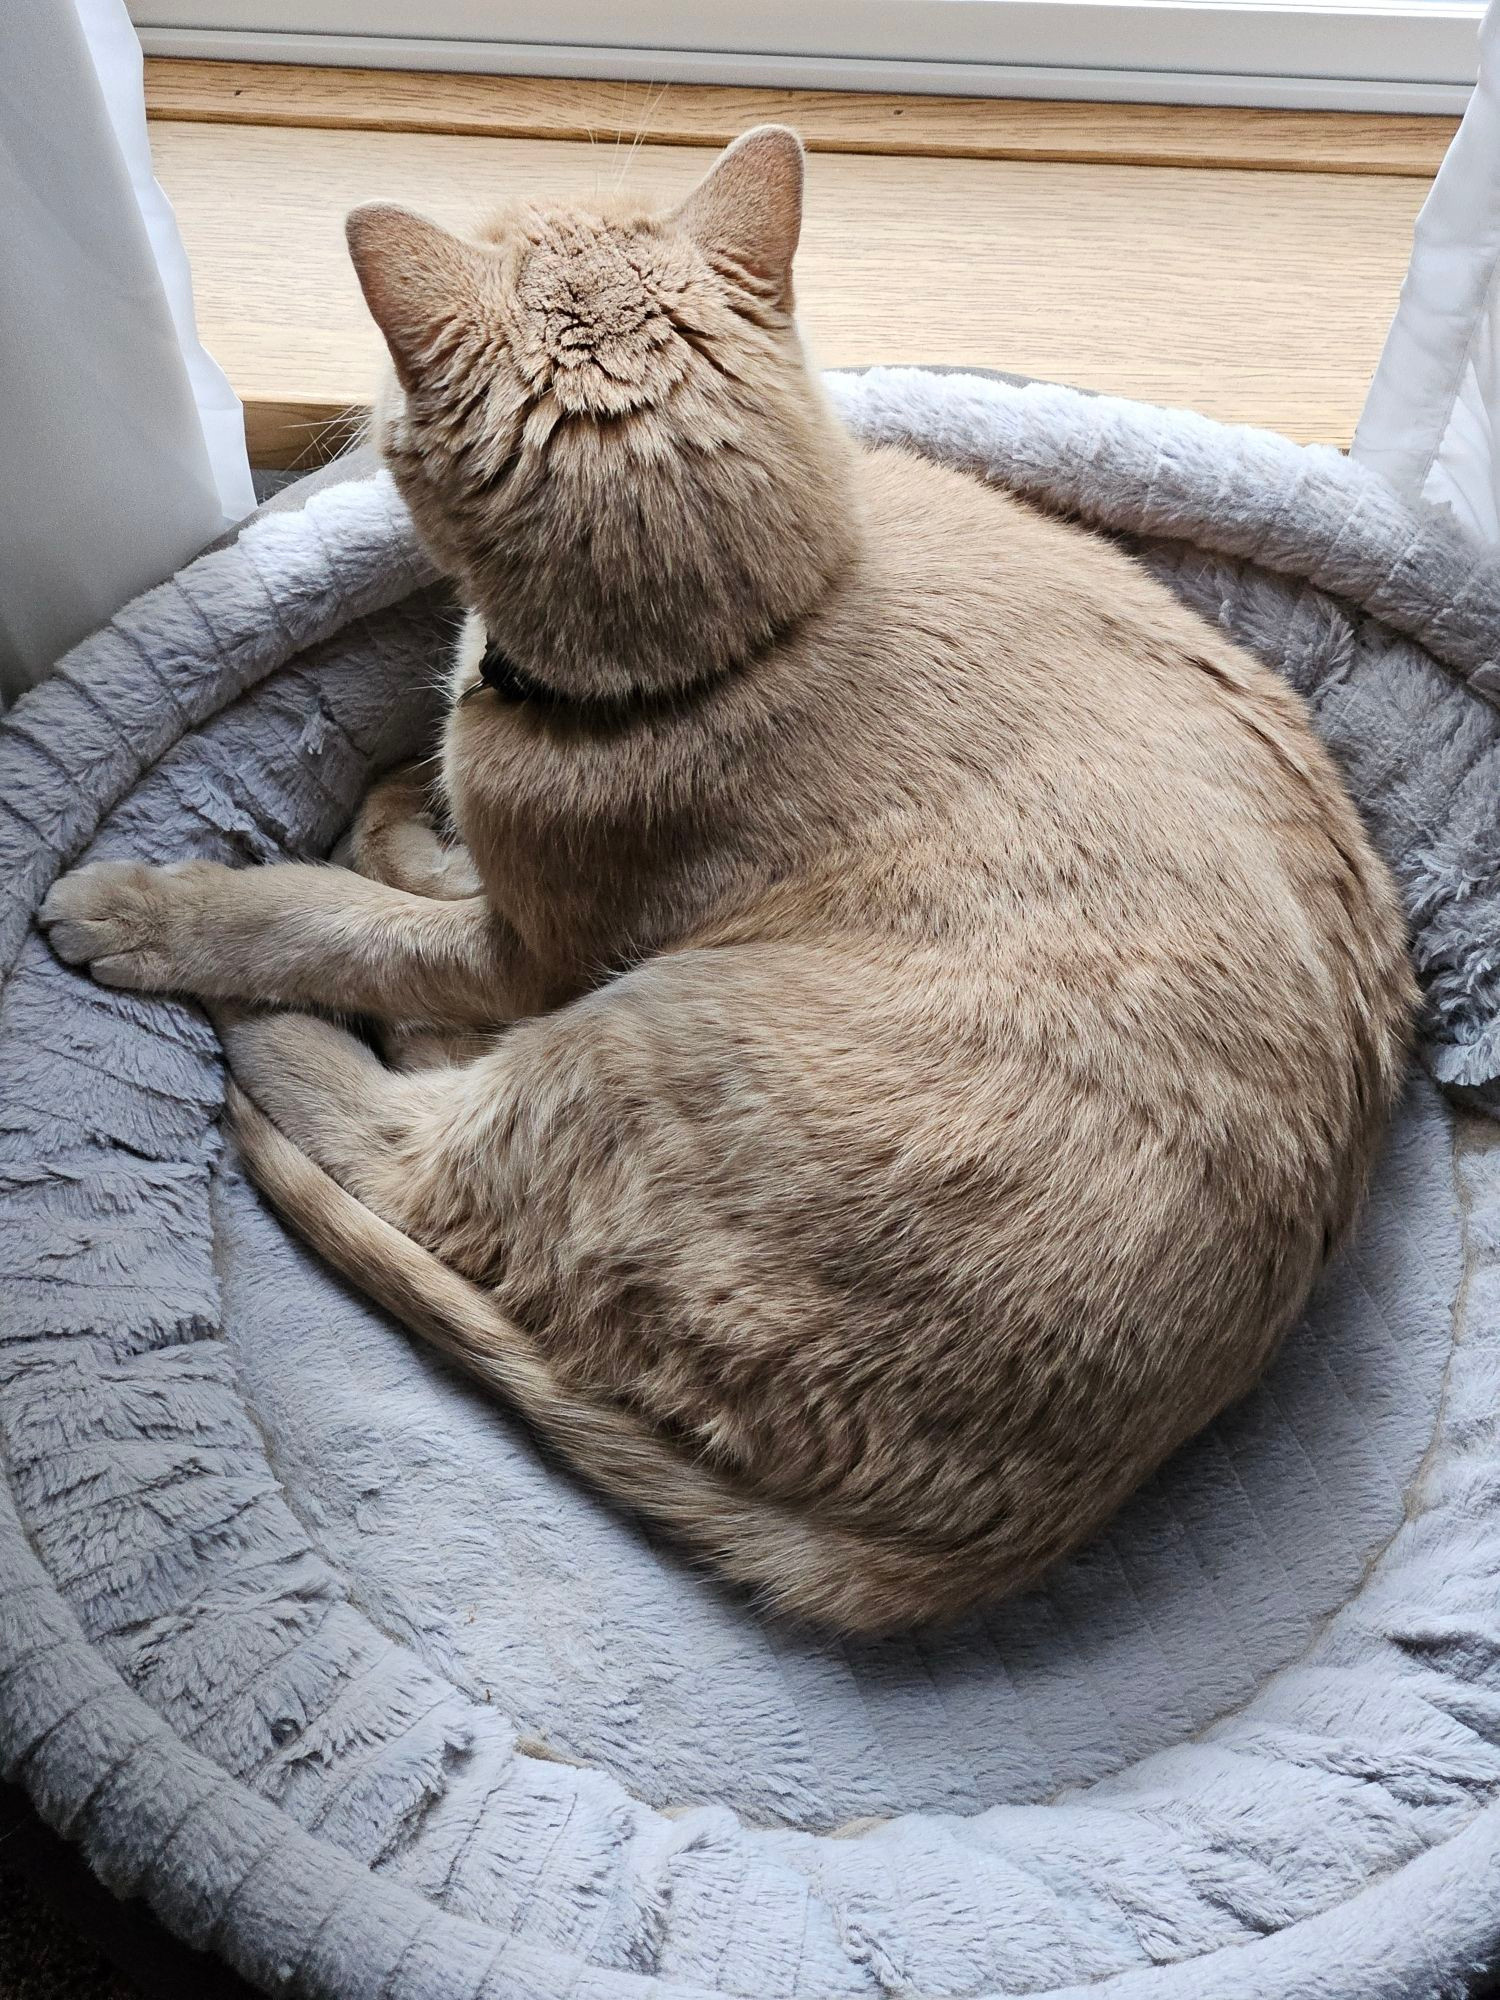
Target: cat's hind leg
{"x":790,"y":1558}
{"x":545,"y":1213}
{"x":331,"y":1095}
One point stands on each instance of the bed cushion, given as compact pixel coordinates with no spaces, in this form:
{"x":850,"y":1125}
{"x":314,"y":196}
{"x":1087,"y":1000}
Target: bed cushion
{"x":305,"y":1640}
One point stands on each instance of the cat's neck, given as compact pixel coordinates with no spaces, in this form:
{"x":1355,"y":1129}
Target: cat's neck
{"x":643,"y":581}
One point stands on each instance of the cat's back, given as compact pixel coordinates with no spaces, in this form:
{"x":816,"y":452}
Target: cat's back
{"x":1118,"y":827}
{"x":1060,"y":711}
{"x":1033,"y":617}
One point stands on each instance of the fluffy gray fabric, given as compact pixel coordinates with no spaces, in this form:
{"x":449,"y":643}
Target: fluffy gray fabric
{"x":280,"y":1599}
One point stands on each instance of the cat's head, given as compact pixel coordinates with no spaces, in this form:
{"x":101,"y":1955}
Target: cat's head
{"x":604,"y":426}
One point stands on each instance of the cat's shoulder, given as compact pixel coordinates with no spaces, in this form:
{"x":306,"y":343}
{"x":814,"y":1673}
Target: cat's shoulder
{"x":911,"y":501}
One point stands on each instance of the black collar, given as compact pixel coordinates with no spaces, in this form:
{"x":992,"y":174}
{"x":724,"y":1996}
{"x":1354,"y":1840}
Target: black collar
{"x":499,"y":673}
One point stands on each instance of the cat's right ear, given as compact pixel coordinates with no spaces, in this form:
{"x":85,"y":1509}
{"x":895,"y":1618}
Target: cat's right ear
{"x":749,"y":208}
{"x":415,"y":276}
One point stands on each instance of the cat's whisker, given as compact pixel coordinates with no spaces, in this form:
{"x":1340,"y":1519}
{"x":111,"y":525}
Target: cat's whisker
{"x":640,"y":131}
{"x":327,"y":438}
{"x":620,"y":123}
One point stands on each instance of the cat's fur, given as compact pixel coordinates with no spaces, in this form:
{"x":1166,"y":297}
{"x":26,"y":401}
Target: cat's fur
{"x":945,"y":1046}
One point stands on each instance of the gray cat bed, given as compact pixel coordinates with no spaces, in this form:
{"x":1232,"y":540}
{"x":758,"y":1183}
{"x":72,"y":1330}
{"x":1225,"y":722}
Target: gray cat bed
{"x":301,"y":1638}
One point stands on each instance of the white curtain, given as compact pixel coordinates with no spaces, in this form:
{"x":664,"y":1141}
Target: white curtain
{"x":1431,"y":424}
{"x":122,"y":448}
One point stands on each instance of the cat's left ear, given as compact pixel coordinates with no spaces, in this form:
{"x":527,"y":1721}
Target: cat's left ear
{"x":415,"y":277}
{"x":749,"y":206}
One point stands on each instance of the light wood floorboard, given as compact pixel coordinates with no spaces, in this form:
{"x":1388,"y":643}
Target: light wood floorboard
{"x":685,"y":114}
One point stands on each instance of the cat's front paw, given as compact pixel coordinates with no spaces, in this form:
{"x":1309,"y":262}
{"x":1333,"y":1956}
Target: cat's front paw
{"x":130,"y":923}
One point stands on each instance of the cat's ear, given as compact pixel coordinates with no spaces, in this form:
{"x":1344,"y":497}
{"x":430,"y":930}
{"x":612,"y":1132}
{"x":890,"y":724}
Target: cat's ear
{"x":749,"y":206}
{"x":415,"y":276}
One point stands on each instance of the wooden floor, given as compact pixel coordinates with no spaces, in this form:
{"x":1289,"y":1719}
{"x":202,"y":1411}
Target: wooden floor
{"x":1258,"y":293}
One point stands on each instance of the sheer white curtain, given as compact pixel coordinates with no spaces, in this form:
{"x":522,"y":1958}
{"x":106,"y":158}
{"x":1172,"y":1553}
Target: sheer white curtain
{"x":122,"y":448}
{"x":1432,"y":421}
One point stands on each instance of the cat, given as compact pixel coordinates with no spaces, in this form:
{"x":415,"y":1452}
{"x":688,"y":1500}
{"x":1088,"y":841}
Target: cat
{"x":935,"y":1004}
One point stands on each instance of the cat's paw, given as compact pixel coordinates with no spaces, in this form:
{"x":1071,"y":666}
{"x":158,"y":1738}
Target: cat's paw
{"x":395,"y":838}
{"x":289,"y":1062}
{"x":414,"y":857}
{"x":130,"y":923}
{"x":319,"y":1085}
{"x":282,"y":1059}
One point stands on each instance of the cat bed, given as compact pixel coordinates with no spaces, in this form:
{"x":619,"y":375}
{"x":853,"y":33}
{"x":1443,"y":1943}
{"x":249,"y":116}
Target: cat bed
{"x":304,"y":1641}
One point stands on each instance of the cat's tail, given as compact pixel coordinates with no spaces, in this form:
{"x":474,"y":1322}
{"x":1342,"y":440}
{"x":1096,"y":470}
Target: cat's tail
{"x":835,"y":1575}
